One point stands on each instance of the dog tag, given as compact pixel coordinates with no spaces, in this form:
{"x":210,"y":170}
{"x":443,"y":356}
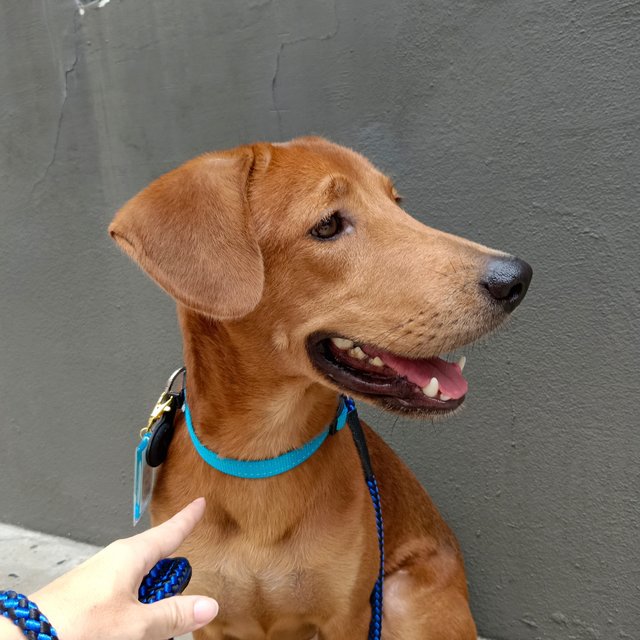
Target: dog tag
{"x":155,"y":439}
{"x":143,"y":479}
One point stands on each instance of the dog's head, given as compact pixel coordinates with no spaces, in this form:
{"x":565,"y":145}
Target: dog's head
{"x":303,"y":247}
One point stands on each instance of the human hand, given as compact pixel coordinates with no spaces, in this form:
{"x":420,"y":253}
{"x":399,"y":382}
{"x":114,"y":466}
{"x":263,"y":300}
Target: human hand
{"x":98,"y":599}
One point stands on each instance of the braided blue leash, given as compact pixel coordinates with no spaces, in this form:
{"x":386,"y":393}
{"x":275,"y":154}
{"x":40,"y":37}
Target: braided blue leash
{"x":26,"y":616}
{"x":375,"y":626}
{"x":167,"y":578}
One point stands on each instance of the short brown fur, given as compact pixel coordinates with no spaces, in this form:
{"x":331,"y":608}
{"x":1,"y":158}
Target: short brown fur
{"x":226,"y":235}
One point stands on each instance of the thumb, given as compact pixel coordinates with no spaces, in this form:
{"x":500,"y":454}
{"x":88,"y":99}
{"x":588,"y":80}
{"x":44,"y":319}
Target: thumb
{"x":178,"y":615}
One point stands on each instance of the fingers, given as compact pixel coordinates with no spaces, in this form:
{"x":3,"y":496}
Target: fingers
{"x":178,"y":615}
{"x":163,"y":540}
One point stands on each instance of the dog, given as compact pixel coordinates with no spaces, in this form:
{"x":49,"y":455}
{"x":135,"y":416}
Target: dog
{"x":298,"y":277}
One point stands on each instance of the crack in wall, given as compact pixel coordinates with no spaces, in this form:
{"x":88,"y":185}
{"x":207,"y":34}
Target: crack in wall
{"x":65,"y":94}
{"x":287,"y":43}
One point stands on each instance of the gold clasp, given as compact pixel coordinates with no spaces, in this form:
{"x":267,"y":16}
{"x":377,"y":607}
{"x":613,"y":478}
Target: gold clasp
{"x":163,"y":404}
{"x":164,"y":401}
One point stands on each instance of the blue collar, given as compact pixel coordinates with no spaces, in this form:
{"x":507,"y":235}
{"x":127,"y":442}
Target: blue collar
{"x":253,"y":469}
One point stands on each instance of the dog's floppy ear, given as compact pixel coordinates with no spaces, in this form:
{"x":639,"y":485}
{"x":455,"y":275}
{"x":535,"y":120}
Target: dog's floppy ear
{"x":190,"y":230}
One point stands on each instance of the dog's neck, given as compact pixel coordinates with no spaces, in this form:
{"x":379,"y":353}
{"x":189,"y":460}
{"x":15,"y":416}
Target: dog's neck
{"x":242,"y":405}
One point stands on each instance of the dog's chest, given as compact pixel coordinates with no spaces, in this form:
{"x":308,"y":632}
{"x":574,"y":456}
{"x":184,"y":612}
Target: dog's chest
{"x":279,"y":592}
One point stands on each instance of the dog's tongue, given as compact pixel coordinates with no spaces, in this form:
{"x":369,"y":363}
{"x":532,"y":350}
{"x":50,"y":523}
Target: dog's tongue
{"x":450,"y":379}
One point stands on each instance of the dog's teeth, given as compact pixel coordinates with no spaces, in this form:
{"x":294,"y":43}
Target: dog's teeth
{"x":431,"y":390}
{"x":342,"y":343}
{"x":358,"y":353}
{"x":462,"y":362}
{"x":444,"y":398}
{"x":377,"y":362}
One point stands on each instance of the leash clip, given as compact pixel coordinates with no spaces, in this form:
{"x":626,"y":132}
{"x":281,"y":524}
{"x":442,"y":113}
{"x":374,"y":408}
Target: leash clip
{"x":164,"y":402}
{"x":333,"y":427}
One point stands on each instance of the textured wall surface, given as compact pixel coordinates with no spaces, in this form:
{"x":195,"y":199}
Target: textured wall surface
{"x":514,"y":123}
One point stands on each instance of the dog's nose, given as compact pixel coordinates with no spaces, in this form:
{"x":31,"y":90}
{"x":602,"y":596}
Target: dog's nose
{"x":507,"y":280}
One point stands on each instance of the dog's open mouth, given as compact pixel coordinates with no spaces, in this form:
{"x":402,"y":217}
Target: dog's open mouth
{"x":426,"y":385}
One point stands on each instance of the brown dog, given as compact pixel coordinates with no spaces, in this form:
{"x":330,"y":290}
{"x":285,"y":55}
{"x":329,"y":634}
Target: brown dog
{"x":298,"y":276}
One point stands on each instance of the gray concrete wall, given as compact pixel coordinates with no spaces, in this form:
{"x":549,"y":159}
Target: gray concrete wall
{"x":515,"y":123}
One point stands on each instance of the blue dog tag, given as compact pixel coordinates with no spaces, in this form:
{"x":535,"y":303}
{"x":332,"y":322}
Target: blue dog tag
{"x":143,"y":479}
{"x":154,"y":444}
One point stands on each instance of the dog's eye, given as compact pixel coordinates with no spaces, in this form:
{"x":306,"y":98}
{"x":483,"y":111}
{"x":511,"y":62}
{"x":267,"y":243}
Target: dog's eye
{"x":329,"y":227}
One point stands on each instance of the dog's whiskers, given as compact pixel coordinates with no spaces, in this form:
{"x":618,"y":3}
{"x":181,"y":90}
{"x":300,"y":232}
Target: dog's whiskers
{"x":396,"y":327}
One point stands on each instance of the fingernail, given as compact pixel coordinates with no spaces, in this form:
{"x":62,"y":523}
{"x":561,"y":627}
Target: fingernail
{"x":205,"y":610}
